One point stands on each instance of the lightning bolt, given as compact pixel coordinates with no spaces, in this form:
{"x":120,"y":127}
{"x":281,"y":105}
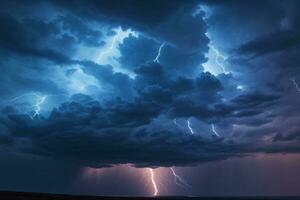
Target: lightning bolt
{"x":189,"y":126}
{"x":155,"y":190}
{"x":184,"y":128}
{"x":112,"y":45}
{"x":296,"y":84}
{"x":40,"y":101}
{"x":218,"y":57}
{"x":158,"y":53}
{"x":178,"y":180}
{"x":37,"y":106}
{"x":214,"y":130}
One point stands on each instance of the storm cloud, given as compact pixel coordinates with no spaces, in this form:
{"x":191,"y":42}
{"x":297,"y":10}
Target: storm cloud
{"x":112,"y":82}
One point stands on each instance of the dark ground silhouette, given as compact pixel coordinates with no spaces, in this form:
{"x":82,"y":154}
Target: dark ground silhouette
{"x":5,"y":195}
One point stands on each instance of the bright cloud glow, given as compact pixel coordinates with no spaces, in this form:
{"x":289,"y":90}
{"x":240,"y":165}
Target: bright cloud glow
{"x":79,"y":82}
{"x":216,"y":63}
{"x":110,"y":53}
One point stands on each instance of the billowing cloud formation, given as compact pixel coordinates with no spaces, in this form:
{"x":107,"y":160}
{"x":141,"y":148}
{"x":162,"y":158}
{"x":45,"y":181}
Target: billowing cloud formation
{"x":83,"y":130}
{"x":103,"y":83}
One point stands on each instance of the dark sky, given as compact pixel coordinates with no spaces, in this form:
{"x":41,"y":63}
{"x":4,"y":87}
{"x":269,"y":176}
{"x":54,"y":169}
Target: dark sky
{"x":97,"y":96}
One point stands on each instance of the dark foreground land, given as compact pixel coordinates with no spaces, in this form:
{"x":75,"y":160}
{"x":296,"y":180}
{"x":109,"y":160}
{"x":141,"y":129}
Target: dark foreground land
{"x":42,"y":196}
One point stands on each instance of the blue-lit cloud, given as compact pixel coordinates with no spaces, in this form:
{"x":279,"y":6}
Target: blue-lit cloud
{"x":113,"y":86}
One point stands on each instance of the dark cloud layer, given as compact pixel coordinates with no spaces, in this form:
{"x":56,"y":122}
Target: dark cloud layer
{"x":123,"y":110}
{"x":24,"y":38}
{"x":286,"y":34}
{"x":132,"y":13}
{"x":82,"y":130}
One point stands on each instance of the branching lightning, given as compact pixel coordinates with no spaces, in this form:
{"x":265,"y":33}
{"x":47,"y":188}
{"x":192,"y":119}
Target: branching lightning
{"x":219,"y":57}
{"x":40,"y":101}
{"x":155,"y":190}
{"x":296,"y":84}
{"x":178,"y":180}
{"x":189,"y":127}
{"x":37,"y":106}
{"x":214,"y":130}
{"x":158,"y":53}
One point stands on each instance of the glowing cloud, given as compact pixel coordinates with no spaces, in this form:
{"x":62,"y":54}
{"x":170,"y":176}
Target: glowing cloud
{"x":110,"y":50}
{"x":110,"y":53}
{"x":240,"y":87}
{"x":37,"y":106}
{"x":219,"y":59}
{"x":40,"y":101}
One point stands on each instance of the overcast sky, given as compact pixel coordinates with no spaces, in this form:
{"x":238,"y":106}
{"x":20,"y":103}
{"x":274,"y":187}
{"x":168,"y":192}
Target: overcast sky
{"x":97,"y":96}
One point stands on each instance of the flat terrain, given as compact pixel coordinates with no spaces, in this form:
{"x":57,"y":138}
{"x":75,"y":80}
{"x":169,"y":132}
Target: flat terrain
{"x":42,"y":196}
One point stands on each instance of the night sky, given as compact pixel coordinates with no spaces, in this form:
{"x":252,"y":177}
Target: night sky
{"x":131,"y":97}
